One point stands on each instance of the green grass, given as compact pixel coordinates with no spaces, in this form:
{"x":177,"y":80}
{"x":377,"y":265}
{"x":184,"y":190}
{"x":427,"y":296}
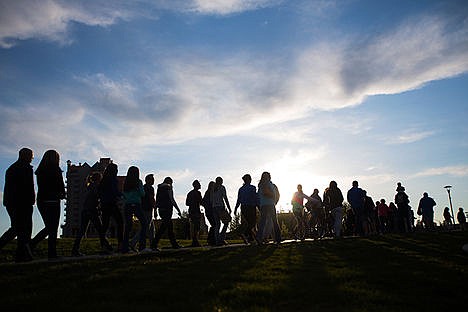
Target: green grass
{"x":420,"y":272}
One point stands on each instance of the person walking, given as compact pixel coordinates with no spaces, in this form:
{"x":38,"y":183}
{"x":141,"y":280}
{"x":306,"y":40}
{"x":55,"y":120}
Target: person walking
{"x":110,"y":196}
{"x":165,"y":202}
{"x":91,"y":214}
{"x":333,"y":201}
{"x":220,"y":202}
{"x":193,"y":201}
{"x":50,"y":190}
{"x":133,"y":192}
{"x":208,"y":205}
{"x":247,"y":201}
{"x":356,"y":199}
{"x":402,"y":201}
{"x":426,"y":207}
{"x":148,"y":207}
{"x":297,"y":203}
{"x":18,"y":198}
{"x":268,"y":195}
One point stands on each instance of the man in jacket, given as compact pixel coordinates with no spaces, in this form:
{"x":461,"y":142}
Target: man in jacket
{"x":18,"y":198}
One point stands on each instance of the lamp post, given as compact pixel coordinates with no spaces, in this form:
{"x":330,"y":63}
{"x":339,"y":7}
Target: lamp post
{"x":448,"y":187}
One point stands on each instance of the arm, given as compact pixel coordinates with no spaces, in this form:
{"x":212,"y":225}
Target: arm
{"x":226,"y":200}
{"x":171,"y":194}
{"x":237,"y":202}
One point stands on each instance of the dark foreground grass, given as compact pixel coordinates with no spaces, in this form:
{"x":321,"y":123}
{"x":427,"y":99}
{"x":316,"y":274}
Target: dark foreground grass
{"x":420,"y":272}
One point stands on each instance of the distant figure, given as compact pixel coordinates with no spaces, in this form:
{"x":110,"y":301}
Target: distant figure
{"x":370,"y":208}
{"x":90,"y":213}
{"x":461,"y":218}
{"x":50,"y":190}
{"x":18,"y":198}
{"x":297,"y":203}
{"x":383,"y":210}
{"x":317,"y":216}
{"x":333,"y":201}
{"x":193,"y":201}
{"x":402,"y":201}
{"x":109,"y":196}
{"x":393,"y":219}
{"x":355,"y":197}
{"x":208,"y":205}
{"x":133,"y":192}
{"x":447,"y":216}
{"x":426,"y":205}
{"x":220,"y":202}
{"x":148,"y":207}
{"x":165,"y":202}
{"x":268,"y":197}
{"x":248,"y":201}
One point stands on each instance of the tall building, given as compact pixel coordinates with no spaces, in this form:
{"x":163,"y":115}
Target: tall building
{"x":76,"y":192}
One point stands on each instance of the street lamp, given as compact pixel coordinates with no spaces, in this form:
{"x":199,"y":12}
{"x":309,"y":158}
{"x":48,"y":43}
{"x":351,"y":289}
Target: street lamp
{"x":448,"y":187}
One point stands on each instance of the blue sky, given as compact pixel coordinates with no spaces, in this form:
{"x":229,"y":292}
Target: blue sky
{"x":308,"y":90}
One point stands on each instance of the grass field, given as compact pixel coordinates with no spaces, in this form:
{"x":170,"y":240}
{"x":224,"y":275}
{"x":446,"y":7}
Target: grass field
{"x":419,"y":272}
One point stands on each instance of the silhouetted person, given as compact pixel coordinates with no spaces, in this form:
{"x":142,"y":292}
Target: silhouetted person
{"x":394,"y":219}
{"x":165,"y":202}
{"x":19,"y":198}
{"x":461,"y":218}
{"x":426,"y":204}
{"x":109,"y":196}
{"x":333,"y":201}
{"x":355,"y":198}
{"x":268,"y":195}
{"x":383,"y":211}
{"x":247,"y":201}
{"x":447,"y":216}
{"x":90,"y":213}
{"x":297,"y":203}
{"x":220,"y":202}
{"x":193,"y":201}
{"x":50,"y":190}
{"x":370,"y":208}
{"x":133,"y":192}
{"x":148,"y":207}
{"x":402,"y":201}
{"x":208,"y":205}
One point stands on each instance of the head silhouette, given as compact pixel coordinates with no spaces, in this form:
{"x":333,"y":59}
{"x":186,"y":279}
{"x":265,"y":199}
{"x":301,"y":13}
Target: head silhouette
{"x":25,"y":154}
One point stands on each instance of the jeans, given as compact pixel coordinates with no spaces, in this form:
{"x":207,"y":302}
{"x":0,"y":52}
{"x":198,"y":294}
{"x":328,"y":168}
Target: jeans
{"x":148,"y":215}
{"x":87,"y":216}
{"x":111,"y":210}
{"x":337,"y":214}
{"x":130,"y":210}
{"x":50,"y":213}
{"x":268,"y":223}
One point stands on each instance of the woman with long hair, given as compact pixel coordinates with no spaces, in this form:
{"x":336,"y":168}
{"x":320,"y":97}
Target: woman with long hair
{"x":50,"y":190}
{"x":268,"y":196}
{"x":208,"y":205}
{"x":133,"y":192}
{"x":109,"y":196}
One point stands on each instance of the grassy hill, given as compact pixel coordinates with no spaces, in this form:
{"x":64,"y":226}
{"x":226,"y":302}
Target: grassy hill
{"x":419,"y":272}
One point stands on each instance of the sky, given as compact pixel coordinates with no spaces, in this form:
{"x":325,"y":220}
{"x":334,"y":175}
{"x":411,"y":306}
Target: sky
{"x":311,"y":91}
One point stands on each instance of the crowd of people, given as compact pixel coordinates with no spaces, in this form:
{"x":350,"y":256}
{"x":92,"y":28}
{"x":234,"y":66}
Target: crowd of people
{"x":143,"y":202}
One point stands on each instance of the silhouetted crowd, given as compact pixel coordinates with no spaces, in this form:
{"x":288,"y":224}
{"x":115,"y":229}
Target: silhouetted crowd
{"x":317,"y":218}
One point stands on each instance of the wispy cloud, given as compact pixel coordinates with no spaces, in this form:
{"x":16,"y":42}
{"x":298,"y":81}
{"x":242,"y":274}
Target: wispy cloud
{"x":456,"y":171}
{"x":410,"y":136}
{"x":50,"y":19}
{"x":224,"y":7}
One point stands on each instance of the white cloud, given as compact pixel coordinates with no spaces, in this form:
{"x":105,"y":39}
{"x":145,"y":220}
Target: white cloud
{"x":224,"y":7}
{"x":50,"y":19}
{"x":410,"y":136}
{"x":456,"y":171}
